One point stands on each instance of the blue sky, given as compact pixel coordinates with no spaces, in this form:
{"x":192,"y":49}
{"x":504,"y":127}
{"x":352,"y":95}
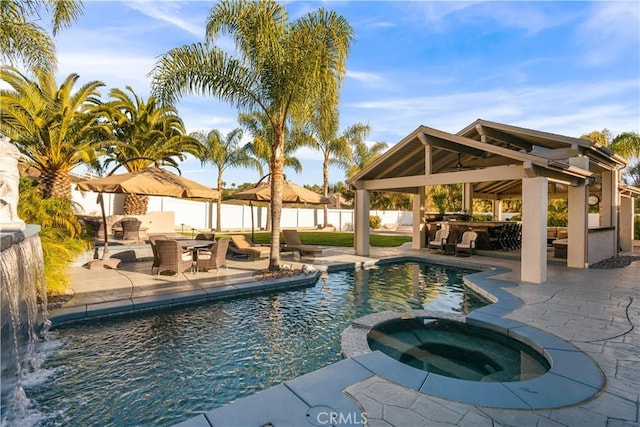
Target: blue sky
{"x":563,"y":67}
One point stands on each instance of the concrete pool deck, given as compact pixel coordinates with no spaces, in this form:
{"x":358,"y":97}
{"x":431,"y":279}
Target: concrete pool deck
{"x":594,"y":310}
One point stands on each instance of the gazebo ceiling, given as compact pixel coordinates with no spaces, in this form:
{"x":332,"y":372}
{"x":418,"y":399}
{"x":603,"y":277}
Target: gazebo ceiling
{"x":539,"y":142}
{"x":487,"y":151}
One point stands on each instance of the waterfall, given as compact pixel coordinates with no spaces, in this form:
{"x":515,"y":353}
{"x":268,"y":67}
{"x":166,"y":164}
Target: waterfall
{"x":24,"y":302}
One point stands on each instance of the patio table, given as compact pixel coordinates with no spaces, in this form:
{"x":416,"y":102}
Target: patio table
{"x":194,"y":245}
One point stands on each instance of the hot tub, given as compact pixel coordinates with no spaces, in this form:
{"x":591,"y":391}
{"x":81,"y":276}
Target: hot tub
{"x":498,"y":363}
{"x":457,"y":350}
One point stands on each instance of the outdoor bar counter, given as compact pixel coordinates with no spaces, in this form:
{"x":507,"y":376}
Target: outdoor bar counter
{"x":486,"y":230}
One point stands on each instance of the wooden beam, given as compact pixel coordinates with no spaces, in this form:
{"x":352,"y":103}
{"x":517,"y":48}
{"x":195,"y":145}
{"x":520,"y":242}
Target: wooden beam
{"x":515,"y":196}
{"x":490,"y":161}
{"x":428,"y":152}
{"x":450,"y":146}
{"x":500,"y":173}
{"x":503,"y":137}
{"x":557,"y":153}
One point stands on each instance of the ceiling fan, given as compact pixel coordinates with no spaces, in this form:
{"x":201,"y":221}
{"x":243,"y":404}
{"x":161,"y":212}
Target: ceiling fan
{"x":459,"y":166}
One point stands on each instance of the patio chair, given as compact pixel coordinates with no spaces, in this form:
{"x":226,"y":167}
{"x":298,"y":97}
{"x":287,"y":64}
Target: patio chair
{"x":152,"y":242}
{"x":215,"y":257}
{"x":96,"y":226}
{"x":293,"y":243}
{"x":439,"y":240}
{"x":172,"y":257}
{"x":468,"y":243}
{"x":206,"y":236}
{"x":130,"y":228}
{"x":243,"y":246}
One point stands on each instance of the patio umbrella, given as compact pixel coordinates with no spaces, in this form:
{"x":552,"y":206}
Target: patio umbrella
{"x":150,"y":181}
{"x":291,"y":193}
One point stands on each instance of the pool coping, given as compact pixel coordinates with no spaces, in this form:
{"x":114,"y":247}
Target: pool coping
{"x":573,"y":376}
{"x":135,"y":305}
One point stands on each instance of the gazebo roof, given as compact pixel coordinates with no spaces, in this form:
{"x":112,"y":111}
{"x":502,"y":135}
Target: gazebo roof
{"x":493,"y":156}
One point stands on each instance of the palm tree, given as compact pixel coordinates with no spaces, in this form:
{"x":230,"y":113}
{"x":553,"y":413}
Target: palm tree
{"x":288,"y":71}
{"x":24,"y":41}
{"x":363,"y":155}
{"x":627,"y":144}
{"x":335,"y":149}
{"x":224,"y":153}
{"x":259,"y":126}
{"x":53,"y":126}
{"x":145,"y":133}
{"x":599,"y":136}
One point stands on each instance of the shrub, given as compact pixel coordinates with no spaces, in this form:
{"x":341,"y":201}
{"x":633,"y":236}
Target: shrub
{"x":636,"y":228}
{"x":554,"y":219}
{"x":557,"y":219}
{"x":60,"y":233}
{"x":375,"y":221}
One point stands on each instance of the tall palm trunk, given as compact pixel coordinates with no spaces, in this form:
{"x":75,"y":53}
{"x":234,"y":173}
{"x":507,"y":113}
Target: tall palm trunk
{"x":56,"y":183}
{"x":135,"y":204}
{"x":277,"y":167}
{"x":219,"y":204}
{"x":325,"y":187}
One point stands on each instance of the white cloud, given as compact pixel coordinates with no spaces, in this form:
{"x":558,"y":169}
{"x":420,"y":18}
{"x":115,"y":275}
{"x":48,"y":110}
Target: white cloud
{"x":167,"y":11}
{"x":365,"y":77}
{"x":610,"y":30}
{"x":567,"y":109}
{"x":202,"y":113}
{"x":382,"y":24}
{"x":443,"y":16}
{"x":116,"y":69}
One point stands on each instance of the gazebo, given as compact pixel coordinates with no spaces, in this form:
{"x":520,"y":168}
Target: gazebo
{"x":497,"y":162}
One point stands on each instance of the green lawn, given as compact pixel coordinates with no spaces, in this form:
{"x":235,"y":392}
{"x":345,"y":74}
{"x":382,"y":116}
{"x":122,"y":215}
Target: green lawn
{"x":327,"y":238}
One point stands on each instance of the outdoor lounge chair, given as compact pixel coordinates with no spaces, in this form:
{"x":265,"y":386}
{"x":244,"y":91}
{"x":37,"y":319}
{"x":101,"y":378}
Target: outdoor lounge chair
{"x":243,"y":246}
{"x":293,"y":243}
{"x":439,"y":240}
{"x":172,"y":257}
{"x":152,"y":242}
{"x":214,"y":257}
{"x":468,"y":243}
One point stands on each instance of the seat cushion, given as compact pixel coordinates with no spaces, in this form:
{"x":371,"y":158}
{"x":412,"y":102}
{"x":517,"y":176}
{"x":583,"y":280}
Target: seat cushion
{"x":204,"y":255}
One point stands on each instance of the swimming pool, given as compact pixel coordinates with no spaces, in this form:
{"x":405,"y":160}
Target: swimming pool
{"x":166,"y":367}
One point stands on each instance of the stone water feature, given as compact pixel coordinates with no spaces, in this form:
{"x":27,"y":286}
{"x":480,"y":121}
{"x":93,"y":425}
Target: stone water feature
{"x":23,"y":298}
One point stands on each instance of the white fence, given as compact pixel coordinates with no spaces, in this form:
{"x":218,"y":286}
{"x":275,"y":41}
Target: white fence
{"x":190,"y":214}
{"x":202,"y":215}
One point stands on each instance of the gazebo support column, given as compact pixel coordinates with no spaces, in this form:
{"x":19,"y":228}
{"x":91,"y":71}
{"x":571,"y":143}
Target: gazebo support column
{"x":608,"y":199}
{"x":533,"y":259}
{"x":467,"y":198}
{"x":418,"y":220}
{"x":496,"y":207}
{"x":361,"y":220}
{"x":578,"y":217}
{"x":626,"y":224}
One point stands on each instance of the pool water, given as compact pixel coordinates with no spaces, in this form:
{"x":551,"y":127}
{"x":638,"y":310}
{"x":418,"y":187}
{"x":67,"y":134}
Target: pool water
{"x":168,"y":366}
{"x":457,"y":350}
